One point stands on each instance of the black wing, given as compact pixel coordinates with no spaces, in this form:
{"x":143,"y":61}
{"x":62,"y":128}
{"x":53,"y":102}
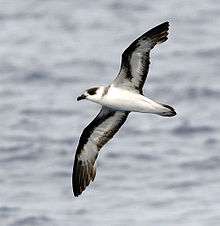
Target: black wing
{"x":136,"y":58}
{"x":94,"y":136}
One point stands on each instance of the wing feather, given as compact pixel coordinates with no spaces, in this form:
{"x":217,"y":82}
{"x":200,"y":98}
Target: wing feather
{"x":136,"y":58}
{"x":94,"y":136}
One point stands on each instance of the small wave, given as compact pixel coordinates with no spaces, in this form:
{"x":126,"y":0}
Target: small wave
{"x":193,"y":92}
{"x":36,"y":76}
{"x":208,"y":53}
{"x":81,"y":211}
{"x":211,"y":141}
{"x":205,"y":164}
{"x":61,"y":174}
{"x":145,"y":157}
{"x":118,"y":5}
{"x":112,"y":155}
{"x":12,"y":148}
{"x":183,"y":185}
{"x":33,"y":221}
{"x":187,"y":129}
{"x":58,"y":112}
{"x":90,"y":63}
{"x":27,"y":155}
{"x":6,"y":211}
{"x":8,"y":93}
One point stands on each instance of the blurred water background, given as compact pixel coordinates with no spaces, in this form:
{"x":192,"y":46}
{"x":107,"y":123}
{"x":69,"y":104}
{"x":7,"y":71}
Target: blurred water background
{"x":156,"y":171}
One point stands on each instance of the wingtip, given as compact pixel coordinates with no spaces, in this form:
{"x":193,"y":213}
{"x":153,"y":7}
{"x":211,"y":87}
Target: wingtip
{"x":159,"y":34}
{"x":163,"y":27}
{"x":166,"y":23}
{"x":76,"y":194}
{"x":82,"y":176}
{"x":77,"y":190}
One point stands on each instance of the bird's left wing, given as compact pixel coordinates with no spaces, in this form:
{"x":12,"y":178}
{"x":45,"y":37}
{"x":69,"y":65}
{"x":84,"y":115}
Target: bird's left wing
{"x":94,"y":136}
{"x":136,"y":59}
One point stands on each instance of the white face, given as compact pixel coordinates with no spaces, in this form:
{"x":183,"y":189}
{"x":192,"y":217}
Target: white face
{"x":93,"y":94}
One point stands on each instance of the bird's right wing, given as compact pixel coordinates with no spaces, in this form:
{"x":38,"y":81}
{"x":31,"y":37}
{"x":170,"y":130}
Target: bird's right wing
{"x":94,"y":136}
{"x":136,"y":59}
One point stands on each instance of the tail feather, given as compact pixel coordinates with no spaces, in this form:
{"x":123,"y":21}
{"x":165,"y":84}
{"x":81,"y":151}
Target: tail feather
{"x":170,"y":111}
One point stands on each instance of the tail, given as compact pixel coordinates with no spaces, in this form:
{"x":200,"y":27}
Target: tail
{"x":168,"y":111}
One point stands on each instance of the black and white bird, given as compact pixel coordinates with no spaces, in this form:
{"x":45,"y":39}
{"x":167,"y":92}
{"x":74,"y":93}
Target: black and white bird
{"x":122,"y":96}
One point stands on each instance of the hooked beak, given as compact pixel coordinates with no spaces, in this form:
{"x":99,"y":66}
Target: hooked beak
{"x":83,"y":96}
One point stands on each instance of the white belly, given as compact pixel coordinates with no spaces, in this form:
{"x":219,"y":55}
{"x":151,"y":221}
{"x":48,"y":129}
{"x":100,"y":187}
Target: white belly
{"x":120,"y":99}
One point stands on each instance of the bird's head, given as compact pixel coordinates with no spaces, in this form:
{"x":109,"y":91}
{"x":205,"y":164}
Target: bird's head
{"x":93,"y":94}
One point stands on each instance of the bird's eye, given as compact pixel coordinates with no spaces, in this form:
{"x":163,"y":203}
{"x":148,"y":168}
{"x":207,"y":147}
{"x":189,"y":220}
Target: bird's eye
{"x":92,"y":91}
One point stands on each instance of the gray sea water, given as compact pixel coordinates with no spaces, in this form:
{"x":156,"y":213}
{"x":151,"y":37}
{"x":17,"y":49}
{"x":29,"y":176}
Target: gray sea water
{"x":156,"y":171}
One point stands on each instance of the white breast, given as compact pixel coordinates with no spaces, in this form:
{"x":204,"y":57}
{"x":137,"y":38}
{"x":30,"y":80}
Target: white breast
{"x":121,"y":99}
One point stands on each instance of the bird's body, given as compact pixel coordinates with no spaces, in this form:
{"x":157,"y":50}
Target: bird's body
{"x":122,"y":96}
{"x":124,"y":100}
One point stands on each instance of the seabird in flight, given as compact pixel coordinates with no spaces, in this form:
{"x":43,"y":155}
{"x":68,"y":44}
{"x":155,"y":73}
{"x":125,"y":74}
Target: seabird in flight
{"x":118,"y":99}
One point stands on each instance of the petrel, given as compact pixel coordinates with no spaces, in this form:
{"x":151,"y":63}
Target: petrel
{"x":118,"y":99}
